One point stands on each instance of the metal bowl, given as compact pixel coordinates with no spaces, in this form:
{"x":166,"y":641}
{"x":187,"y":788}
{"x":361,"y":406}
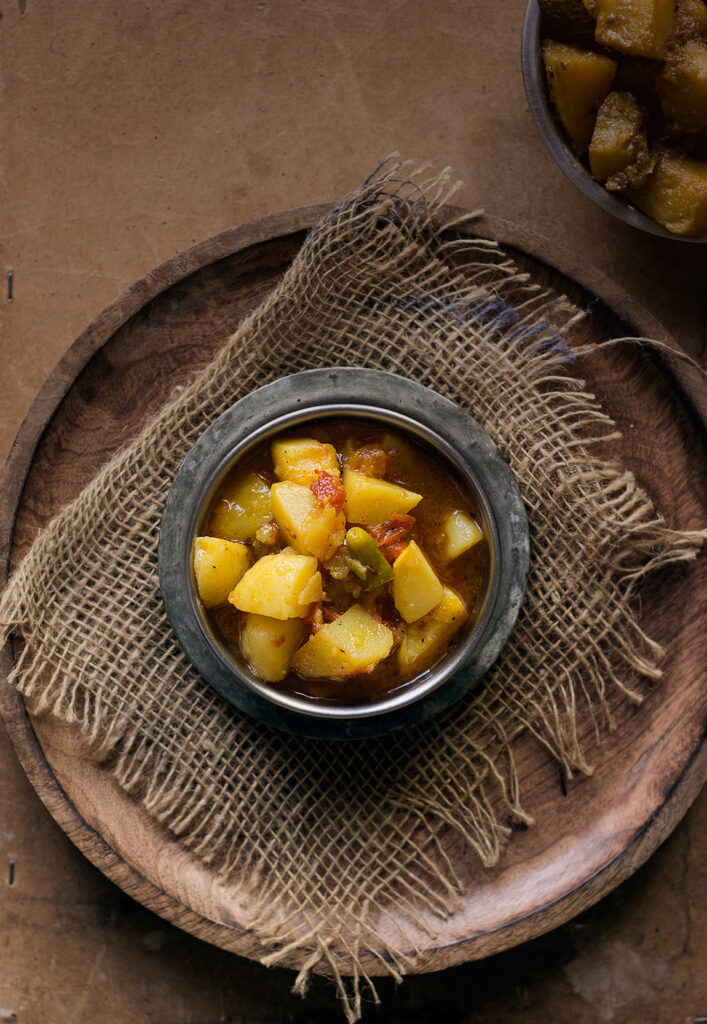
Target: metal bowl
{"x":551,"y":133}
{"x":430,"y":420}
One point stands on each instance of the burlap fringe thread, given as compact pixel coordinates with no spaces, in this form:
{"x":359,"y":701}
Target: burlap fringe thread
{"x":351,"y":847}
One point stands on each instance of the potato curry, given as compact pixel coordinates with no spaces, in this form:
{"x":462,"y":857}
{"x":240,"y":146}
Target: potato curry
{"x":628,"y":81}
{"x":341,"y":561}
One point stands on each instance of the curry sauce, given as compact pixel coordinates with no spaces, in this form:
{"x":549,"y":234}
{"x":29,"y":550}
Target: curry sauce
{"x":360,"y":583}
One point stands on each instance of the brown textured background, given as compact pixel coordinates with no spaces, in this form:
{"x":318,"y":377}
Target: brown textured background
{"x":130,"y":131}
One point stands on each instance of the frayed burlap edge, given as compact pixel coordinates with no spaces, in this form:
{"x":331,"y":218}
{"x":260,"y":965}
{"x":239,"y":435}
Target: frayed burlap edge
{"x":382,"y":281}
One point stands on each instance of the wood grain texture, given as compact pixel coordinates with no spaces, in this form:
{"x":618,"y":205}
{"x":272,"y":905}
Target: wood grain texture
{"x":647,"y":773}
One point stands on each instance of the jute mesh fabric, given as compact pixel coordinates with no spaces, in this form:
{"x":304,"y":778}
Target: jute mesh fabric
{"x":354,"y":846}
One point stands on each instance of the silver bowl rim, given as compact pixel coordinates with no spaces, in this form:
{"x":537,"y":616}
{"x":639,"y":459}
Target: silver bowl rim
{"x":560,"y":150}
{"x":316,"y":394}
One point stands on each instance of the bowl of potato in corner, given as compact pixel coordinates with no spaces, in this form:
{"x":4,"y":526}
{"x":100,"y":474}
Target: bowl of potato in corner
{"x":618,"y":93}
{"x":343,"y":552}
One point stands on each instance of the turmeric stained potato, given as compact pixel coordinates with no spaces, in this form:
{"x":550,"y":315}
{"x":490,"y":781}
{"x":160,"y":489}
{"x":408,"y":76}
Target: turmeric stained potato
{"x":578,"y":81}
{"x":649,"y":135}
{"x":690,"y":22}
{"x":426,"y":637}
{"x":268,"y":644}
{"x":311,"y":528}
{"x":354,"y":642}
{"x":282,"y":585}
{"x":682,"y":88}
{"x":360,"y":557}
{"x":618,"y":152}
{"x":639,"y":27}
{"x":218,"y":566}
{"x":675,"y":194}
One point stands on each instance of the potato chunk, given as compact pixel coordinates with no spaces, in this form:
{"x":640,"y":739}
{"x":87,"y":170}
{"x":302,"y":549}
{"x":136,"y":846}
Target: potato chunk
{"x":618,"y":152}
{"x":682,"y":88}
{"x":218,"y":566}
{"x":424,"y":641}
{"x":690,"y":22}
{"x":353,"y":643}
{"x":299,"y":458}
{"x":639,"y":27}
{"x":282,"y":586}
{"x":578,"y":80}
{"x":460,"y":533}
{"x":675,"y":194}
{"x":371,"y":501}
{"x":309,"y":528}
{"x":416,"y":589}
{"x":242,"y":508}
{"x":268,"y":644}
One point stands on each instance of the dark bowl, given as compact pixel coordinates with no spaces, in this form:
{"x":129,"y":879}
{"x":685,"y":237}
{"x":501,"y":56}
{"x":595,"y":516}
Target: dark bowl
{"x":427,"y":418}
{"x":562,"y":153}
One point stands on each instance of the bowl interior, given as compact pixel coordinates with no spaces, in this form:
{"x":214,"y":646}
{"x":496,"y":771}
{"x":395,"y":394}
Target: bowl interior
{"x":473,"y":629}
{"x":554,"y":139}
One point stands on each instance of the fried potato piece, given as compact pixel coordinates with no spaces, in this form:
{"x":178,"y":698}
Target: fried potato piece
{"x":682,"y":87}
{"x":578,"y":80}
{"x":675,"y":194}
{"x":618,"y":152}
{"x":638,"y":27}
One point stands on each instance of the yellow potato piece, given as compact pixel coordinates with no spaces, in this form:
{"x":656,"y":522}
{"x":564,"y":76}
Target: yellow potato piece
{"x":424,"y":641}
{"x":639,"y":27}
{"x":299,"y":458}
{"x":310,"y":529}
{"x":416,"y":589}
{"x":578,"y":80}
{"x":281,"y":586}
{"x":352,"y":644}
{"x":682,"y":88}
{"x":268,"y":644}
{"x":460,"y":534}
{"x":325,"y":532}
{"x":675,"y":194}
{"x":218,"y":566}
{"x":371,"y":501}
{"x":312,"y":590}
{"x":242,"y":508}
{"x":690,"y":22}
{"x":618,"y":152}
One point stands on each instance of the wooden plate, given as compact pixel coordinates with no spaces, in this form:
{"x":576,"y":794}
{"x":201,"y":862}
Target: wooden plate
{"x":591,"y":834}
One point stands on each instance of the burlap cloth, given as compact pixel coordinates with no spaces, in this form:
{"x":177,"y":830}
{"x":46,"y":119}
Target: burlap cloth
{"x":334,"y":840}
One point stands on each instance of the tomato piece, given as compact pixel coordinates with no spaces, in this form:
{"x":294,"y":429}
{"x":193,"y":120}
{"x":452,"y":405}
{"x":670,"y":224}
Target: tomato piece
{"x":328,"y":490}
{"x":391,"y":551}
{"x":389,"y":536}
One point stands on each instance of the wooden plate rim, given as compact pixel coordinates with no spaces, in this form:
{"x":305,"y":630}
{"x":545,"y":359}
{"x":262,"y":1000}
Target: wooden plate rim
{"x":637,"y":849}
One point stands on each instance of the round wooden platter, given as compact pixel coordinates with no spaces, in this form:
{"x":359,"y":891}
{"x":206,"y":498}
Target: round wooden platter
{"x":591,"y":833}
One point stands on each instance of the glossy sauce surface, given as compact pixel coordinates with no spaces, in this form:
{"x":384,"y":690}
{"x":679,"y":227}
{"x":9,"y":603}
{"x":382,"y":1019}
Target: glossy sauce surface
{"x":410,"y":465}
